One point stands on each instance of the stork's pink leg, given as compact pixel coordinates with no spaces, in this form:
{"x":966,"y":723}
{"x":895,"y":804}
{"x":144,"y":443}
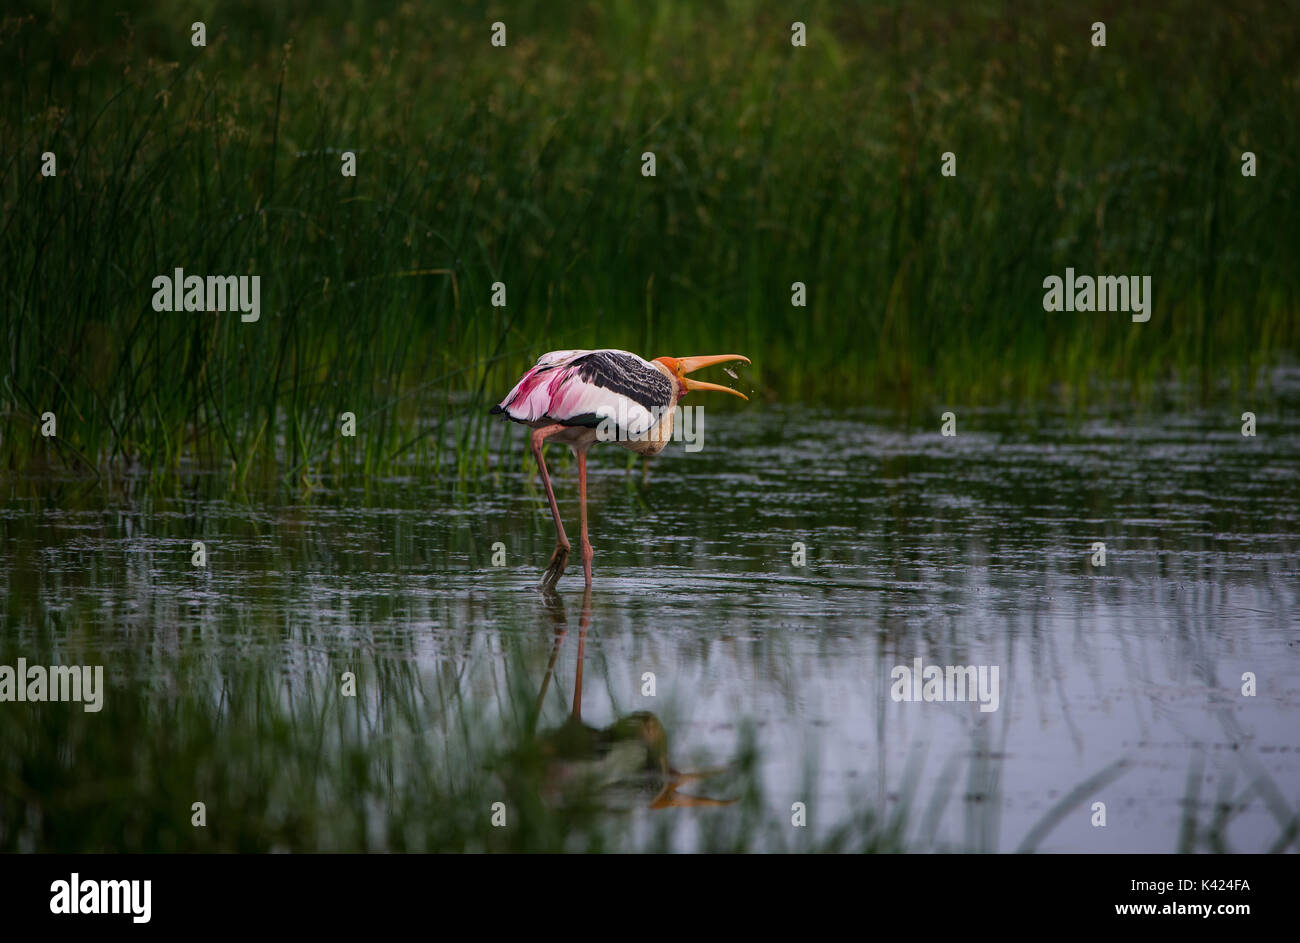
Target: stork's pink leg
{"x":587,"y":552}
{"x":583,"y":622}
{"x":560,"y":558}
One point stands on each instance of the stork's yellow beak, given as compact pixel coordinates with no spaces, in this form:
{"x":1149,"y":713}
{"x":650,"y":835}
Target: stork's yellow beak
{"x":684,"y":365}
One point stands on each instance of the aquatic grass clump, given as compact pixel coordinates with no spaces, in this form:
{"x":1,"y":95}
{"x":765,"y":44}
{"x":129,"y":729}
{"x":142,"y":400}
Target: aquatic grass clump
{"x":521,"y":165}
{"x":282,"y":760}
{"x":251,"y":756}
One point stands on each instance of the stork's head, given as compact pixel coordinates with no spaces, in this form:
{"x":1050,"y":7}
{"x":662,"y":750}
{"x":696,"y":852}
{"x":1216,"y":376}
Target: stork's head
{"x":679,"y":367}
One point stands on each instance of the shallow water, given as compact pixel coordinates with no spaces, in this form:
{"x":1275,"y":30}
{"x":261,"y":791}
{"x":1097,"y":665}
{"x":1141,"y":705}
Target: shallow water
{"x":965,"y":550}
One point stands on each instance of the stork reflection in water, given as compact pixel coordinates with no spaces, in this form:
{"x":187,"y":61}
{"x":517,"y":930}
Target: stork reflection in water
{"x":628,"y":756}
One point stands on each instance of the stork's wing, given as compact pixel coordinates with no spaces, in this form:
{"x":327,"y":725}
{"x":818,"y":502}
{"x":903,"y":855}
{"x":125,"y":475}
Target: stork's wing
{"x":581,"y":388}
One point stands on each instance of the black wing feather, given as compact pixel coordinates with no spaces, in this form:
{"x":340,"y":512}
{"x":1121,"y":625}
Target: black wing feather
{"x":627,"y":375}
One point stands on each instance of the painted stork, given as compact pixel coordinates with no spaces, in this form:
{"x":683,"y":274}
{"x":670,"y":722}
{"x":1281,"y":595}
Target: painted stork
{"x":579,"y":397}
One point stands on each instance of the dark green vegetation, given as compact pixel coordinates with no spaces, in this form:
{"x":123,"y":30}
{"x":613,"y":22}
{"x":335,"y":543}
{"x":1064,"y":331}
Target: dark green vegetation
{"x":477,"y":164}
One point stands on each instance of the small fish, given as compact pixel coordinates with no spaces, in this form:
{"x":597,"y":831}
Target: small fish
{"x":732,"y":373}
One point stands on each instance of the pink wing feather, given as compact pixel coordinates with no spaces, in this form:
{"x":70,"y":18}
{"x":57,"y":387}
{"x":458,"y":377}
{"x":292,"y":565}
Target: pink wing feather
{"x":559,"y":390}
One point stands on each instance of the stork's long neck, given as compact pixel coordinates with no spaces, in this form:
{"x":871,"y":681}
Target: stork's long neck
{"x":661,"y":433}
{"x":679,"y":390}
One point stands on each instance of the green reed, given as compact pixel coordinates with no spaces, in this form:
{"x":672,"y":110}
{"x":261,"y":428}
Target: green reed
{"x":523,"y":165}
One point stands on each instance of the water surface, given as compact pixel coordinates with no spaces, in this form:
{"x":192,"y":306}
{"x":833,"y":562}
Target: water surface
{"x":968,"y":550}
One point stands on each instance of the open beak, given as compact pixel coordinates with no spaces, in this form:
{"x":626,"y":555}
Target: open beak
{"x":687,"y":365}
